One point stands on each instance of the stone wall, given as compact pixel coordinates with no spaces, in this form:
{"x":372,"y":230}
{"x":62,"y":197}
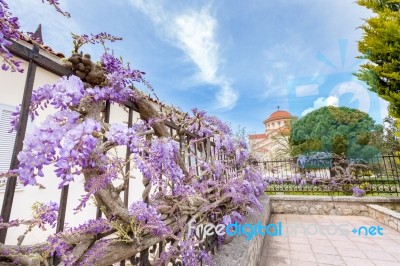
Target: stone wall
{"x":242,"y":252}
{"x":329,"y":205}
{"x":386,"y":216}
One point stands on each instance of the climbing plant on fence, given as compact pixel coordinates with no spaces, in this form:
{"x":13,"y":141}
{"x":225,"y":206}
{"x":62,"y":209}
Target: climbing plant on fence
{"x":77,"y":141}
{"x":321,"y":173}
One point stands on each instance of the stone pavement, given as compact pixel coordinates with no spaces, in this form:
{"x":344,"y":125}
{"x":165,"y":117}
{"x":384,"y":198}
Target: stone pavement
{"x":329,"y":248}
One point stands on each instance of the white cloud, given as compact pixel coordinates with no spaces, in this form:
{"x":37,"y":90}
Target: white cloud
{"x":227,"y":96}
{"x":321,"y":102}
{"x":152,"y":9}
{"x":307,"y":90}
{"x":194,"y":32}
{"x":272,"y":88}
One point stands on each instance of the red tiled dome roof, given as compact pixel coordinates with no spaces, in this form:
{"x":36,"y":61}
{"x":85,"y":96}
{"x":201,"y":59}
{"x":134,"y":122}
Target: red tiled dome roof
{"x":278,"y":115}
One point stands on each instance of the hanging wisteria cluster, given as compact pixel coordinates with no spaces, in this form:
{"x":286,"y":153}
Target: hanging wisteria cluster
{"x":220,"y":187}
{"x":9,"y":29}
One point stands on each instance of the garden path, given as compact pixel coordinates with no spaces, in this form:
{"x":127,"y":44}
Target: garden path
{"x":297,"y":248}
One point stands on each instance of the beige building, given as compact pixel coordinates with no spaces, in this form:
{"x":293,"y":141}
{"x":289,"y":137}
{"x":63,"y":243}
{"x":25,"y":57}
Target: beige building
{"x":274,"y":143}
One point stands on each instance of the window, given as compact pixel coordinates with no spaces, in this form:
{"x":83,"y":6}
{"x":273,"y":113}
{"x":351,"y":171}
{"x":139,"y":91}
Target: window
{"x":7,"y":140}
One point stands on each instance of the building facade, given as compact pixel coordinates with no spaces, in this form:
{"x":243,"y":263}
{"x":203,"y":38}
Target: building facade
{"x":273,"y":144}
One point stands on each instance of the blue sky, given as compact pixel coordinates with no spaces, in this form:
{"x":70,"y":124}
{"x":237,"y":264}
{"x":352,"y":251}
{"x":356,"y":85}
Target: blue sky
{"x":238,"y":60}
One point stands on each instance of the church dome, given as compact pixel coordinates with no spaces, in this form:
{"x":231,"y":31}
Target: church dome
{"x":278,"y":115}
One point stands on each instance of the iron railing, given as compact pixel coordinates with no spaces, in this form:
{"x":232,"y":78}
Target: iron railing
{"x":378,"y":175}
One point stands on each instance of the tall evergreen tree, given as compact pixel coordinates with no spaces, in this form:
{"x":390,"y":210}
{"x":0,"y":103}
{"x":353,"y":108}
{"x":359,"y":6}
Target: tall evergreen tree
{"x":380,"y":45}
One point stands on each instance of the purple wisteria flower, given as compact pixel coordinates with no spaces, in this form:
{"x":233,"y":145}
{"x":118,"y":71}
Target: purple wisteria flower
{"x":59,"y":247}
{"x":270,"y":179}
{"x":40,"y":147}
{"x":162,"y":158}
{"x":15,"y":119}
{"x":242,"y":155}
{"x":296,"y":179}
{"x":90,"y":227}
{"x":122,"y":135}
{"x":148,"y":218}
{"x":188,"y":252}
{"x":99,"y":94}
{"x":236,"y":216}
{"x":119,"y":76}
{"x":65,"y":93}
{"x":46,"y":213}
{"x":77,"y":151}
{"x":9,"y":29}
{"x":309,"y":175}
{"x":208,"y":125}
{"x":358,"y":192}
{"x":226,"y":219}
{"x":183,"y":190}
{"x":206,"y":258}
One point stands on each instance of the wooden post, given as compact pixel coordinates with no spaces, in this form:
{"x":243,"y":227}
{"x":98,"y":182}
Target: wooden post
{"x":18,"y":145}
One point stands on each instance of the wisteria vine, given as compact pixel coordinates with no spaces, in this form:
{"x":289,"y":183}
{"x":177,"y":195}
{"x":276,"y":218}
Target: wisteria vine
{"x":73,"y":141}
{"x":76,"y":141}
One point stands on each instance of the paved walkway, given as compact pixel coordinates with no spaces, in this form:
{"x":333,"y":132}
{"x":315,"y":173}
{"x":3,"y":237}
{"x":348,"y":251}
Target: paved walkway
{"x":343,"y":247}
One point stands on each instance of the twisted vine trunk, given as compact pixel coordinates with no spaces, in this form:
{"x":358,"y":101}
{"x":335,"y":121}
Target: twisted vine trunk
{"x":110,"y":201}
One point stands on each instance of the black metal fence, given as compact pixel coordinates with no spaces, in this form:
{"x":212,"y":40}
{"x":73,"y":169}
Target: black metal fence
{"x":376,"y":176}
{"x":205,"y":149}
